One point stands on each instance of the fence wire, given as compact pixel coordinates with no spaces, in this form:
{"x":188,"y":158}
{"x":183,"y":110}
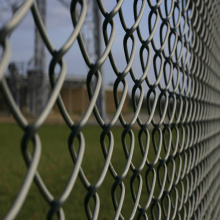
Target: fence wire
{"x":181,"y":53}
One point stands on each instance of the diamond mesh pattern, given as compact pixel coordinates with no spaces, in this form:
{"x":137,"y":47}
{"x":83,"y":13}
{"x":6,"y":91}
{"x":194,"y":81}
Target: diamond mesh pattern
{"x":178,"y":46}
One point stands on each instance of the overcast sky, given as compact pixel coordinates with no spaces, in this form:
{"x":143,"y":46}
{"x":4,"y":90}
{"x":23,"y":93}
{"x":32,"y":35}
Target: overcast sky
{"x":59,"y":27}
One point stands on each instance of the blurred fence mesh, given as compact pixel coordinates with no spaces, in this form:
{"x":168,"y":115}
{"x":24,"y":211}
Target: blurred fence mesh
{"x":178,"y":46}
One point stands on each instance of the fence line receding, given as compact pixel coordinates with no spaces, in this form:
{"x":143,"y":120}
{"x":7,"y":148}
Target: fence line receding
{"x":171,"y":57}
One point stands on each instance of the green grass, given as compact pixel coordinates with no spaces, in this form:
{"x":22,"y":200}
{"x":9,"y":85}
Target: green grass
{"x":55,"y":168}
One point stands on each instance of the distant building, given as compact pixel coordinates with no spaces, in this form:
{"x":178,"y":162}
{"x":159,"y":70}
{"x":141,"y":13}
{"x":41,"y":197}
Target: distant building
{"x":74,"y":93}
{"x":76,"y":100}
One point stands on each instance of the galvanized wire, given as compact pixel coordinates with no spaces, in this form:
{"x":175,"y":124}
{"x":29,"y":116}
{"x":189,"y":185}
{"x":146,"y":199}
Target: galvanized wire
{"x":181,"y":124}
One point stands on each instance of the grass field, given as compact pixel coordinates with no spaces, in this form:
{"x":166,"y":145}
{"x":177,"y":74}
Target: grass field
{"x":55,"y":168}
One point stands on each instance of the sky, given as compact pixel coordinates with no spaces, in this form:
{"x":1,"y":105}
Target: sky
{"x":59,"y":27}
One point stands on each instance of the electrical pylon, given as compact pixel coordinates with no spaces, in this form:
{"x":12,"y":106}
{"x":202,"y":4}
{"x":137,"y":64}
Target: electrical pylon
{"x":92,"y":38}
{"x":37,"y":82}
{"x":40,"y":79}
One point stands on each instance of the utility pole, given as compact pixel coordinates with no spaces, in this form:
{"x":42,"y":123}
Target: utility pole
{"x":98,"y":51}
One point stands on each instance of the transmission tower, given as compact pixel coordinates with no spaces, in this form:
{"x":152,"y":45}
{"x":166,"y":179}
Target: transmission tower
{"x":37,"y":82}
{"x":36,"y":75}
{"x":7,"y":9}
{"x":91,"y":32}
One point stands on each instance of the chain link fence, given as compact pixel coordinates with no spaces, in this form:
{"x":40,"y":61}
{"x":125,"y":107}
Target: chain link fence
{"x":178,"y":46}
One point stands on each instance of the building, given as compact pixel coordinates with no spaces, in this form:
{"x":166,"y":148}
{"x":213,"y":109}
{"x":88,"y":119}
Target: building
{"x":76,"y":100}
{"x":74,"y":93}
